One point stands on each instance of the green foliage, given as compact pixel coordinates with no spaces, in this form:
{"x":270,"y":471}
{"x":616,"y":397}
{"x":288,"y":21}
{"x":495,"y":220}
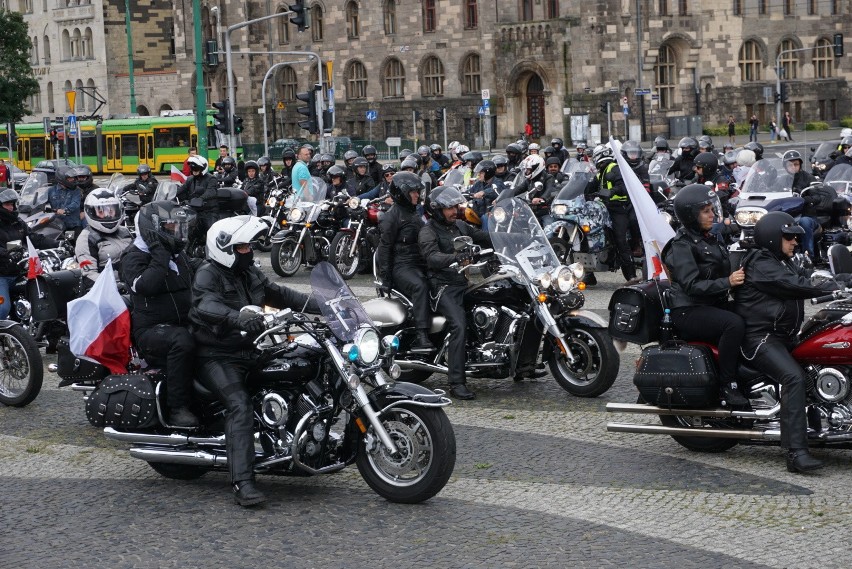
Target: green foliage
{"x":846,"y":122}
{"x":816,"y":125}
{"x":17,"y":82}
{"x":722,"y":130}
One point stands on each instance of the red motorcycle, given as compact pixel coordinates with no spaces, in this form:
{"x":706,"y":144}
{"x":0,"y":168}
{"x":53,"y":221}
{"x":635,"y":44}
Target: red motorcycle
{"x":678,"y":381}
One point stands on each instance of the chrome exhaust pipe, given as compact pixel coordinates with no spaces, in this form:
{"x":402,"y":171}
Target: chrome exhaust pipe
{"x":192,"y":458}
{"x":173,"y":440}
{"x":716,"y":413}
{"x":767,"y":435}
{"x":425,"y":366}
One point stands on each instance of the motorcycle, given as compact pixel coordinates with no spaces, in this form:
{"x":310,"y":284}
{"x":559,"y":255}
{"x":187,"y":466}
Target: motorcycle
{"x":358,"y":238}
{"x":678,"y":382}
{"x":34,"y":209}
{"x":21,"y":366}
{"x":528,"y":304}
{"x":661,"y":183}
{"x":323,"y":400}
{"x":278,"y":200}
{"x":131,"y":195}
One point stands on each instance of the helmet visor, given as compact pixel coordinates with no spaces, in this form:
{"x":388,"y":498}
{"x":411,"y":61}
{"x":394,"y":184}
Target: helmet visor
{"x":106,"y":212}
{"x":176,"y":228}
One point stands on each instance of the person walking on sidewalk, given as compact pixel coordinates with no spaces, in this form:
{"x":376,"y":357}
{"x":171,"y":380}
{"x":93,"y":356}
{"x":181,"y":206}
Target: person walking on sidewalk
{"x":753,"y":123}
{"x":773,"y":130}
{"x":732,"y":128}
{"x":787,"y":125}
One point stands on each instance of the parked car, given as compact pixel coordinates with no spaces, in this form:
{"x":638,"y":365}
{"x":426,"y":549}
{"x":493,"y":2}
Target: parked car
{"x":277,"y":147}
{"x":18,"y":177}
{"x":49,"y":167}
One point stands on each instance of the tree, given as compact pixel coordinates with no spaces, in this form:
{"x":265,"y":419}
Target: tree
{"x":17,"y":82}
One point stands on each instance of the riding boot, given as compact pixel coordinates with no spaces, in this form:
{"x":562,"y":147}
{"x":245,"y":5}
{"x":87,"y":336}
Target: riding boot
{"x":800,"y":460}
{"x":422,"y":342}
{"x":246,"y":494}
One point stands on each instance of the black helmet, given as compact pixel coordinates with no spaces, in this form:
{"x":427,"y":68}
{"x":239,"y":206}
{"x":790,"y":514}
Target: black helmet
{"x":730,"y":158}
{"x":436,"y":148}
{"x":228,"y":163}
{"x":166,"y":223}
{"x":552,"y":160}
{"x":327,"y":158}
{"x":288,"y":153}
{"x":349,"y":155}
{"x":84,"y":175}
{"x":514,"y":152}
{"x":757,"y":148}
{"x":67,"y":178}
{"x":401,"y":186}
{"x":251,"y":165}
{"x":440,"y":198}
{"x":336,"y":172}
{"x":500,"y":160}
{"x":486,"y":166}
{"x":474,"y":156}
{"x":6,"y":196}
{"x":548,"y":151}
{"x":369,"y":151}
{"x":687,"y":142}
{"x":410,"y":162}
{"x":772,"y":227}
{"x":360,"y":161}
{"x":404,"y":153}
{"x":143,"y":169}
{"x":632,"y":152}
{"x":690,"y":200}
{"x":791,"y":156}
{"x":523,"y":145}
{"x":661,"y":143}
{"x":557,"y":143}
{"x":262,"y":161}
{"x":708,"y":163}
{"x":706,"y":143}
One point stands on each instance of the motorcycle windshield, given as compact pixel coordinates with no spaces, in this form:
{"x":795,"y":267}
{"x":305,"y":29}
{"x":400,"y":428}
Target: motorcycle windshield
{"x":313,"y":194}
{"x":519,"y":240}
{"x":117,"y":183}
{"x":658,"y":168}
{"x":575,"y":187}
{"x":338,"y":304}
{"x":166,"y":191}
{"x":456,"y":176}
{"x":572,"y":166}
{"x":29,"y":193}
{"x":840,"y":178}
{"x":764,"y":178}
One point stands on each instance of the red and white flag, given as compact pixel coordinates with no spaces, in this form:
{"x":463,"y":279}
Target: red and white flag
{"x":177,"y":175}
{"x":656,"y":231}
{"x":99,"y":324}
{"x":34,"y":268}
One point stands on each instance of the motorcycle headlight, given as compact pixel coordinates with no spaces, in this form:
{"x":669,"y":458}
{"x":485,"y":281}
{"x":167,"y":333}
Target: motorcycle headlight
{"x":545,"y":280}
{"x":295,"y":215}
{"x":565,"y":279}
{"x":367,"y":343}
{"x":499,"y":214}
{"x":577,"y":269}
{"x":271,"y":201}
{"x":560,"y":209}
{"x":353,"y":203}
{"x":749,"y":217}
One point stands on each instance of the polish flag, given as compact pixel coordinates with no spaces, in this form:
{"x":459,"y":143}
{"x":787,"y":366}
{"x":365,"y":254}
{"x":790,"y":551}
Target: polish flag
{"x":656,"y":231}
{"x":99,"y":324}
{"x":34,"y":268}
{"x":177,"y":175}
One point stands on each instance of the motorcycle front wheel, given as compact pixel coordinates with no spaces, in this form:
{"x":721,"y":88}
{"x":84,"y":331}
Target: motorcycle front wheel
{"x":21,"y":367}
{"x":595,"y":366}
{"x":338,"y":254}
{"x":426,"y":443}
{"x":562,"y":249}
{"x":286,"y":257}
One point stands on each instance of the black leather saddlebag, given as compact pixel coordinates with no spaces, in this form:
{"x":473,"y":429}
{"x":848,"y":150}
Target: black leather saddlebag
{"x":76,"y":370}
{"x":635,"y":312}
{"x":50,"y":293}
{"x":123,"y":402}
{"x":677,"y":375}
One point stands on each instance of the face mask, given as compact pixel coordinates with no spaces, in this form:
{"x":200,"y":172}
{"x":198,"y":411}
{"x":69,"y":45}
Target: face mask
{"x":243,"y":262}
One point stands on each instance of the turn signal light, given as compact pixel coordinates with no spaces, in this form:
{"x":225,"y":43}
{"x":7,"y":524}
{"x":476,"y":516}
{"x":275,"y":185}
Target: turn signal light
{"x":542,"y":297}
{"x":360,"y":424}
{"x":581,"y":286}
{"x":586,"y":228}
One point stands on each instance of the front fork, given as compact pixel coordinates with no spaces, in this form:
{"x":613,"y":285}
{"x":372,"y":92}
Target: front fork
{"x":551,"y":326}
{"x":355,"y":240}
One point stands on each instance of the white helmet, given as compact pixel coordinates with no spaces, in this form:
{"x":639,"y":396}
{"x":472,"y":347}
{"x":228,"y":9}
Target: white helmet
{"x":460,"y":150}
{"x":601,"y":153}
{"x":199,"y":161}
{"x":534,"y":146}
{"x":103,"y":211}
{"x":452,"y":146}
{"x":845,"y":132}
{"x":225,"y":233}
{"x":532,"y":166}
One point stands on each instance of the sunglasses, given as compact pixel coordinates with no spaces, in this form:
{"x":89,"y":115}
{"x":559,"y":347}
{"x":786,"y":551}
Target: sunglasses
{"x":791,"y":237}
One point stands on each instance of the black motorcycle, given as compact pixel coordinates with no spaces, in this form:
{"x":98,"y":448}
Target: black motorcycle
{"x":21,"y":366}
{"x":358,"y":237}
{"x":324,"y":397}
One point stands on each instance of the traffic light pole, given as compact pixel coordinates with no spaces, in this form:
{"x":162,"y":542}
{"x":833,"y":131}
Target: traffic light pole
{"x":778,"y":102}
{"x":263,"y":93}
{"x":200,"y":93}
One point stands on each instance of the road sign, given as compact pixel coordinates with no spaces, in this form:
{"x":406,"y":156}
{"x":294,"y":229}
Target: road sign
{"x":372,"y":115}
{"x":280,"y":106}
{"x":394,"y":141}
{"x":72,"y":125}
{"x":624,"y":101}
{"x":655,"y":97}
{"x":625,"y":109}
{"x":613,"y":89}
{"x":483,"y":110}
{"x":486,"y":103}
{"x":486,"y":94}
{"x":642,"y":91}
{"x":330,"y":96}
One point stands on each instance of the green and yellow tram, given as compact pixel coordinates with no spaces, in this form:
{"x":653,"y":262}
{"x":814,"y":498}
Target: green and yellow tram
{"x":116,"y":145}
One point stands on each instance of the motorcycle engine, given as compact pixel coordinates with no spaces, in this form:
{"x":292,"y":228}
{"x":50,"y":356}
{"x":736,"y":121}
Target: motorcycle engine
{"x":831,"y":387}
{"x":484,"y":321}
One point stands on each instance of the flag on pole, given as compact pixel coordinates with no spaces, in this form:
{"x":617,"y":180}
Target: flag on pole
{"x":656,"y":231}
{"x":34,"y":268}
{"x":177,"y":175}
{"x":99,"y":324}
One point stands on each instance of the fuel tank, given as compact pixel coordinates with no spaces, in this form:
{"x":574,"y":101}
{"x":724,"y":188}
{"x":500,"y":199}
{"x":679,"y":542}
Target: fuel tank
{"x":830,"y":345}
{"x":498,"y":288}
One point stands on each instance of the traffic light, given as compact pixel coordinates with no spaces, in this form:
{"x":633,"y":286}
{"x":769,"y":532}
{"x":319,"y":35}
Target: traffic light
{"x":785,"y":93}
{"x":328,"y":121}
{"x":238,"y":124}
{"x":309,"y":110}
{"x":223,"y":110}
{"x":300,"y":15}
{"x":777,"y":97}
{"x":605,"y":108}
{"x":838,"y":45}
{"x":439,"y":114}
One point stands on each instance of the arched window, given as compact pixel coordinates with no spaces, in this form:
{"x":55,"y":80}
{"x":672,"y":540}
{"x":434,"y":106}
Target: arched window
{"x":430,"y":16}
{"x":389,"y":10}
{"x":66,"y":45}
{"x":812,"y":7}
{"x":823,"y":59}
{"x":526,"y":10}
{"x":68,"y":87}
{"x":35,"y":101}
{"x":79,"y":103}
{"x":289,"y":84}
{"x":313,"y":79}
{"x":283,"y":28}
{"x":46,"y":50}
{"x":665,"y":73}
{"x":76,"y":41}
{"x":87,"y":49}
{"x":50,"y":107}
{"x":471,"y":14}
{"x":788,"y":61}
{"x":789,"y":8}
{"x":393,"y":79}
{"x":34,"y":51}
{"x":751,"y":62}
{"x":471,"y":75}
{"x":356,"y":81}
{"x":316,"y":22}
{"x":90,"y":101}
{"x":433,"y":77}
{"x":352,"y":23}
{"x":551,"y":9}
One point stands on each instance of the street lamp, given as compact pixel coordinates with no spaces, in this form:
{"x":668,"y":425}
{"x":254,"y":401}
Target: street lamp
{"x":130,"y":56}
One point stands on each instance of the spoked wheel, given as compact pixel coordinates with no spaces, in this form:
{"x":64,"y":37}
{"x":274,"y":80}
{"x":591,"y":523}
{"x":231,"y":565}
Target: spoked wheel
{"x":21,"y":367}
{"x":563,"y":250}
{"x":339,"y":254}
{"x":698,"y":444}
{"x":286,"y":257}
{"x":178,"y":471}
{"x":425,"y":460}
{"x":595,"y":366}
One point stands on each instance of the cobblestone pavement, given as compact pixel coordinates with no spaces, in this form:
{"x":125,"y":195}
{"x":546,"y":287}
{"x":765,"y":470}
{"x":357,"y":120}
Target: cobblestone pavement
{"x":538,"y":483}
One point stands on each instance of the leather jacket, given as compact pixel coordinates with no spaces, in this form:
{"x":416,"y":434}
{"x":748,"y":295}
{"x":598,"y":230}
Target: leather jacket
{"x":204,"y":187}
{"x":399,"y":229}
{"x":699,"y":268}
{"x":436,"y":246}
{"x":17,"y":230}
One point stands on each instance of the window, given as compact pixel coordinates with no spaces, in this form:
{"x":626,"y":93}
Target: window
{"x":751,"y":62}
{"x":67,"y":88}
{"x":471,"y":14}
{"x":393,"y":84}
{"x":283,"y":29}
{"x":823,"y":59}
{"x":86,"y":47}
{"x":663,"y":7}
{"x":433,"y":78}
{"x":81,"y":96}
{"x":812,"y":7}
{"x":789,"y":62}
{"x":390,"y":17}
{"x":91,"y":102}
{"x":46,"y":50}
{"x":356,"y":81}
{"x":316,"y":22}
{"x":551,"y":9}
{"x":430,"y":16}
{"x":761,"y":7}
{"x":34,"y":51}
{"x":50,"y":107}
{"x":526,"y":10}
{"x":738,"y":7}
{"x":788,"y":7}
{"x":352,"y":20}
{"x":289,"y":84}
{"x":471,"y":83}
{"x":683,"y":8}
{"x":314,"y":78}
{"x":76,"y":44}
{"x":171,"y":137}
{"x":665,"y":74}
{"x":34,"y":103}
{"x":835,"y":7}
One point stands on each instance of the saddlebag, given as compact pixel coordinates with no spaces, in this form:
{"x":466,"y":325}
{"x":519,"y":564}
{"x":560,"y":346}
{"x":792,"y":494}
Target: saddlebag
{"x":123,"y":402}
{"x":50,"y":293}
{"x":635,"y":312}
{"x":677,"y":375}
{"x":73,"y":369}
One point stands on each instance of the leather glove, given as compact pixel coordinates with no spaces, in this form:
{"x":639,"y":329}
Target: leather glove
{"x":464,"y":258}
{"x":16,"y":256}
{"x":386,"y":287}
{"x":251,"y":322}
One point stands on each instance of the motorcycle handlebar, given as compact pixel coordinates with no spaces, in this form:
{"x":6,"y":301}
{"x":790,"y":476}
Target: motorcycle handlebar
{"x":827,"y":297}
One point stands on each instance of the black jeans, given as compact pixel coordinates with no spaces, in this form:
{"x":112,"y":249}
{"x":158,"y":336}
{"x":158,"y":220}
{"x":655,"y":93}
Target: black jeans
{"x":225,"y":376}
{"x":451,"y":305}
{"x":624,"y":220}
{"x":174,"y":348}
{"x":411,"y":280}
{"x":716,"y":326}
{"x":773,"y":358}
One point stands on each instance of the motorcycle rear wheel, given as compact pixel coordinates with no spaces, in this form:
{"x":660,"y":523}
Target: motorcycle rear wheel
{"x":338,"y":255}
{"x":286,"y":257}
{"x":697,"y":444}
{"x":178,"y":471}
{"x":596,"y":367}
{"x":427,"y":455}
{"x":21,"y":367}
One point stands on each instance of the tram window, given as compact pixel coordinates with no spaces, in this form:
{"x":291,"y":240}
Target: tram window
{"x":89,"y":145}
{"x":37,"y":147}
{"x":175,"y":137}
{"x":4,"y":140}
{"x":129,"y":145}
